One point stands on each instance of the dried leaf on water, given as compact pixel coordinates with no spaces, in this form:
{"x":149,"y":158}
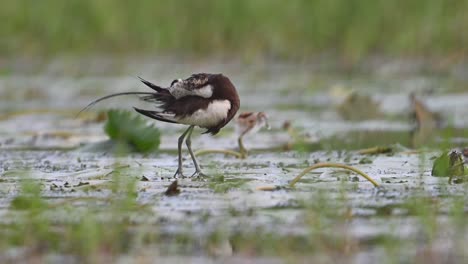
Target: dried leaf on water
{"x":173,"y":189}
{"x":144,"y":178}
{"x":423,"y":116}
{"x":376,"y":150}
{"x":426,"y":123}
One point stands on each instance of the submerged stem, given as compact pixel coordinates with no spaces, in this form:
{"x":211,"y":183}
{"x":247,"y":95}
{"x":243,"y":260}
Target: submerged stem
{"x":242,"y":154}
{"x":220,"y":151}
{"x":331,"y":165}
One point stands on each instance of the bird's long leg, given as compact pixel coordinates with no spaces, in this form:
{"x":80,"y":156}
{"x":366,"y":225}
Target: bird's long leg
{"x":188,"y":141}
{"x":242,"y":149}
{"x":179,"y":148}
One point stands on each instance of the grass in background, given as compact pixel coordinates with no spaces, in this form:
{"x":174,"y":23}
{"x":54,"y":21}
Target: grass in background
{"x":293,"y":29}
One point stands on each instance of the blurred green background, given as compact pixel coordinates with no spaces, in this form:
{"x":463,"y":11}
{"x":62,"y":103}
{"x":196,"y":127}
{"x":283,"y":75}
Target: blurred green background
{"x":277,"y":28}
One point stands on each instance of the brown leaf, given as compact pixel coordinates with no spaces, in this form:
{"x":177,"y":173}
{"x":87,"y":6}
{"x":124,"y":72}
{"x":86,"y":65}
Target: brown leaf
{"x":144,"y":178}
{"x":173,"y":189}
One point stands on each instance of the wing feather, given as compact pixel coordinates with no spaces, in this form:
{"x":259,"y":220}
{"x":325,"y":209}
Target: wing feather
{"x":157,"y":115}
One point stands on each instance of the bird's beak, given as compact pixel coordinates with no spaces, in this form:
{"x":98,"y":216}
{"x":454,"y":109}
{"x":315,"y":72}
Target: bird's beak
{"x":267,"y":125}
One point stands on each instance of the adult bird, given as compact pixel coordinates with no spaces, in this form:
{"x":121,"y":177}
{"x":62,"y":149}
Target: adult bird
{"x":205,"y":100}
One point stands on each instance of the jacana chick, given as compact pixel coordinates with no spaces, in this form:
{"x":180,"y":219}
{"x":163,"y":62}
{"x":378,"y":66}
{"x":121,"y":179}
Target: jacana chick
{"x":249,"y":123}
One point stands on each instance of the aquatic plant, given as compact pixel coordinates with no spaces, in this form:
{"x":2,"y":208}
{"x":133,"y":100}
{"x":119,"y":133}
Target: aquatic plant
{"x":449,"y":165}
{"x":131,"y":131}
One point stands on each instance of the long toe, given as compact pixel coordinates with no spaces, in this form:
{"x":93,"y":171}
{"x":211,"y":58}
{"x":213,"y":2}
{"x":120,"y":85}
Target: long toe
{"x":179,"y":174}
{"x":198,"y":174}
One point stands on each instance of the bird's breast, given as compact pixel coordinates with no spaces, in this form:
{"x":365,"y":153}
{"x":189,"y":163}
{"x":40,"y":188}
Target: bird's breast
{"x":211,"y":116}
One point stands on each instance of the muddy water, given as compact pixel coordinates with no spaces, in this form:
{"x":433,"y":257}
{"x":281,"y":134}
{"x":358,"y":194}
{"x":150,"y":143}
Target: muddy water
{"x":41,"y":137}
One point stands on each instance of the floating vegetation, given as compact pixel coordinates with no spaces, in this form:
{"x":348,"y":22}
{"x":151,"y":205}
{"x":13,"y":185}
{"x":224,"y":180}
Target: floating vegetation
{"x":74,"y":206}
{"x":300,"y":140}
{"x":365,"y":160}
{"x":377,"y":150}
{"x":332,"y":165}
{"x":236,"y":154}
{"x":449,"y":165}
{"x":359,"y":107}
{"x":131,"y":132}
{"x":221,"y":185}
{"x":77,"y":226}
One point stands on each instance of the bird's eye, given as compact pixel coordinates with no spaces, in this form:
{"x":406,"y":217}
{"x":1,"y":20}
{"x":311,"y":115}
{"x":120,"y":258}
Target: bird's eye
{"x":174,"y":81}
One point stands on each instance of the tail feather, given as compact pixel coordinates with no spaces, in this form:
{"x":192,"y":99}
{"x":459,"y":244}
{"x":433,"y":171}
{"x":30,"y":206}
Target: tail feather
{"x":110,"y":96}
{"x":162,"y":95}
{"x":153,"y":114}
{"x":152,"y":85}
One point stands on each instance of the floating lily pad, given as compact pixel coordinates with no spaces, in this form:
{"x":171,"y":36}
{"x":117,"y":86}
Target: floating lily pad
{"x":359,"y":107}
{"x":129,"y":130}
{"x":448,"y":165}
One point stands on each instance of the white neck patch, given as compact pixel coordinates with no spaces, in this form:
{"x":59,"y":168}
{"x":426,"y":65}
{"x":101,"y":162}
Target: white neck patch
{"x":205,"y":92}
{"x":178,"y":91}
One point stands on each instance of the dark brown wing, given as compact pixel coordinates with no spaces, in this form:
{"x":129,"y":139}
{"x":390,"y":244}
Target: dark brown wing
{"x":154,"y":115}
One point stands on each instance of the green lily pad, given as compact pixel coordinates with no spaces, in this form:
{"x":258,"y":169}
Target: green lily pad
{"x":359,"y":107}
{"x":131,"y":131}
{"x":448,"y":165}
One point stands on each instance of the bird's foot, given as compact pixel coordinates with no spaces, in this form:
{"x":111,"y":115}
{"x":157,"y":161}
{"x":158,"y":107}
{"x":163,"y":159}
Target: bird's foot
{"x":179,"y":174}
{"x":243,"y":153}
{"x":198,"y":174}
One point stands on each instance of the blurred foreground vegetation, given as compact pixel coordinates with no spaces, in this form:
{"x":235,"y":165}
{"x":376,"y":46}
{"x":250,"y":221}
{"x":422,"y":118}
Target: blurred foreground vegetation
{"x":104,"y":229}
{"x":293,"y":29}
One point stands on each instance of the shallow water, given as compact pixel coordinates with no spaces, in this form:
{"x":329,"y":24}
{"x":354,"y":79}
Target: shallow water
{"x":41,"y":138}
